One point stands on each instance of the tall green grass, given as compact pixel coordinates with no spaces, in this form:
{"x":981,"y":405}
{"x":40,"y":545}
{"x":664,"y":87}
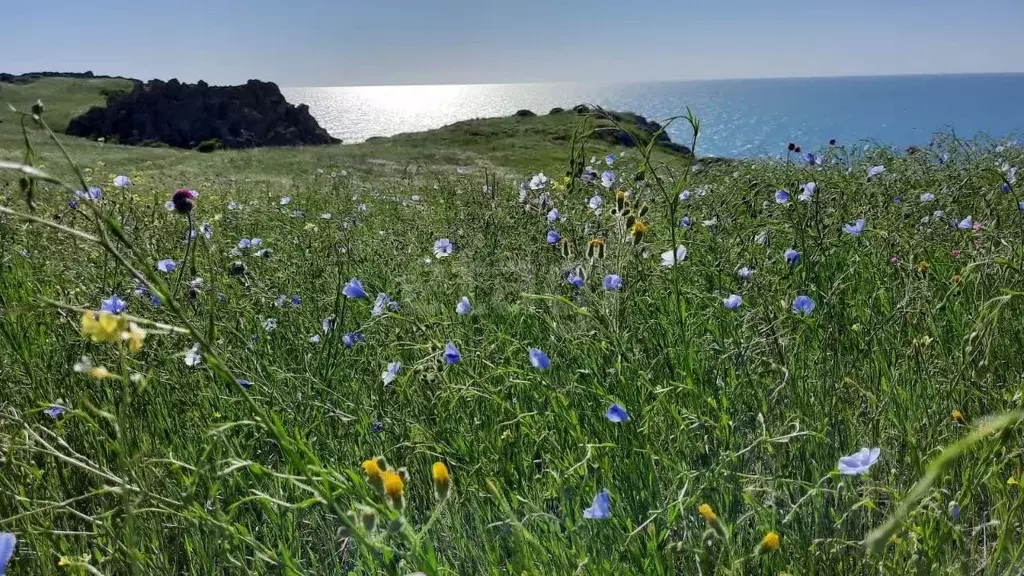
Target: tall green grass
{"x":168,"y":469}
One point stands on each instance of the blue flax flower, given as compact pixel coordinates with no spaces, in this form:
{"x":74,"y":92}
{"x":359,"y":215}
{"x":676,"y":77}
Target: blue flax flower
{"x":966,"y":223}
{"x":732,"y":302}
{"x":859,"y":462}
{"x":55,"y":411}
{"x":803,"y":305}
{"x":782,"y":197}
{"x":350,"y":339}
{"x":601,"y":509}
{"x":616,"y":414}
{"x":553,"y":237}
{"x":451,"y":354}
{"x":391,"y":373}
{"x":855,"y":228}
{"x":612,"y":282}
{"x":575,"y":279}
{"x":463,"y":307}
{"x":114,"y":305}
{"x":538,"y":359}
{"x":354,"y":289}
{"x":7,"y":543}
{"x":166,"y":265}
{"x":792,"y":256}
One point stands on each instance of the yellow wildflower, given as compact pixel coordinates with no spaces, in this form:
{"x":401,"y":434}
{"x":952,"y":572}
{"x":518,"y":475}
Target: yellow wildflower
{"x":957,"y":416}
{"x":442,"y":480}
{"x":770,"y":543}
{"x":134,"y":335}
{"x":372,"y":469}
{"x":102,"y":326}
{"x":99,"y":372}
{"x":708,"y":513}
{"x":393,"y":484}
{"x":922,"y":267}
{"x":394,"y":487}
{"x":638,"y":230}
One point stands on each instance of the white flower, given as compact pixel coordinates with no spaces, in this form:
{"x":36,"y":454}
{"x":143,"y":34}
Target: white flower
{"x":673,"y":257}
{"x":538,"y":181}
{"x":192,"y":357}
{"x":285,"y":200}
{"x":391,"y":373}
{"x":270,"y":324}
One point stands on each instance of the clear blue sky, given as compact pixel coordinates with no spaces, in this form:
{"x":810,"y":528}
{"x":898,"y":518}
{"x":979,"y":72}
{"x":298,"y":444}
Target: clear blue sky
{"x":345,"y":42}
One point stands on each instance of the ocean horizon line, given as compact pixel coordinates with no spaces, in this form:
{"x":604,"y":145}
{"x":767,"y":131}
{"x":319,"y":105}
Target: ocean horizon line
{"x":668,"y":81}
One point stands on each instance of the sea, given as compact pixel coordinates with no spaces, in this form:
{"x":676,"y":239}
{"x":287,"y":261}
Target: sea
{"x":739,"y":118}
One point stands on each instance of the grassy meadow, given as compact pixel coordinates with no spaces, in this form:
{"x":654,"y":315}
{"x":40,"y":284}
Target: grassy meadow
{"x":603,"y":405}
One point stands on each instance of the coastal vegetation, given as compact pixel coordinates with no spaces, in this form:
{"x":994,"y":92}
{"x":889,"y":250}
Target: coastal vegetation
{"x":506,"y":346}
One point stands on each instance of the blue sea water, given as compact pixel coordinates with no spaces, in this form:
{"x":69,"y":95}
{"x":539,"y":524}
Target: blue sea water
{"x":740,"y":118}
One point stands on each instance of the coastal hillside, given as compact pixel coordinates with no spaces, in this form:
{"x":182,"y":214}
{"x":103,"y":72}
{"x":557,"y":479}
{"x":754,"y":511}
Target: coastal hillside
{"x":508,"y":145}
{"x":505,"y":347}
{"x":65,"y":98}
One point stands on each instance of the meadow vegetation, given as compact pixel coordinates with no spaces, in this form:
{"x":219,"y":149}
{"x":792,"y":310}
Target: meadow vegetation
{"x":640,"y":363}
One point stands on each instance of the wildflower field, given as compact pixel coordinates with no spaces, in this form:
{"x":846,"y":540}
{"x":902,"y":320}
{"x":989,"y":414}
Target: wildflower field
{"x":629,"y":365}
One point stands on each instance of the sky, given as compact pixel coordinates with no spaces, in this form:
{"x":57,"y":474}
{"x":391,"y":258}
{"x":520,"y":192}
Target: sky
{"x":375,"y":42}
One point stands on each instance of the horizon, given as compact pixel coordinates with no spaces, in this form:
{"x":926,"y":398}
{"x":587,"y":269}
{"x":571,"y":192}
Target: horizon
{"x":538,"y":83}
{"x":452,"y":42}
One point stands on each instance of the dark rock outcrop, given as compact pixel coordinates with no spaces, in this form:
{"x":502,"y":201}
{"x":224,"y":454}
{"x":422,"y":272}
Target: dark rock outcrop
{"x":524,"y":113}
{"x":186,"y":115}
{"x":556,"y":110}
{"x":635,"y":130}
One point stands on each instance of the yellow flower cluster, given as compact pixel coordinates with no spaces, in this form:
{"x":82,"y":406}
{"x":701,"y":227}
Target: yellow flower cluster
{"x":104,"y":327}
{"x":391,"y":483}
